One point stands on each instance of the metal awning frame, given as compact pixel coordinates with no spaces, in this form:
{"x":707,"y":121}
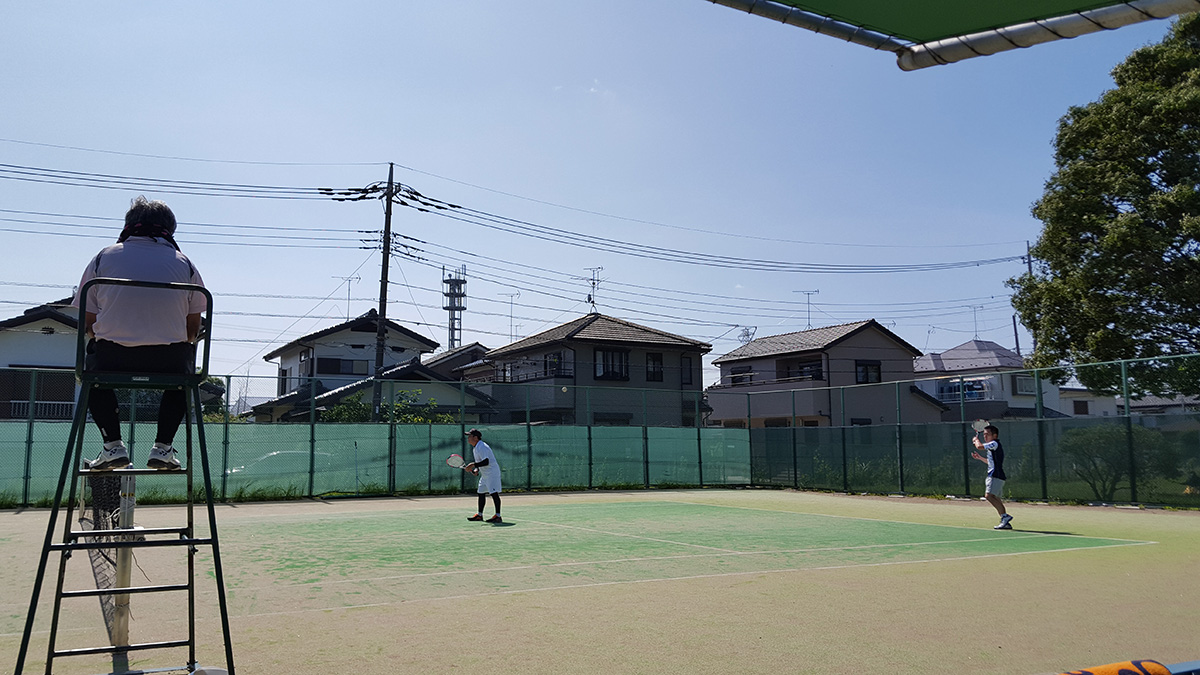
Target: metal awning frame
{"x":912,"y":56}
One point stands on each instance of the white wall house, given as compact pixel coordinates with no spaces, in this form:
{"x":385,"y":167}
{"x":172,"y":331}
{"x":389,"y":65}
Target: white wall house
{"x":345,"y":353}
{"x":793,"y":379}
{"x":43,"y":337}
{"x":1079,"y":401}
{"x":988,"y":381}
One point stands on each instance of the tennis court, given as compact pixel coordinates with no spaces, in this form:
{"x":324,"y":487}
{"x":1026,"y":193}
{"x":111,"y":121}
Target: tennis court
{"x":662,"y":581}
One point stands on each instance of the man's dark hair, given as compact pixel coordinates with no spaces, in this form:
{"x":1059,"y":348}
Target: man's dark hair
{"x":149,"y":218}
{"x":475,"y":433}
{"x":994,"y":431}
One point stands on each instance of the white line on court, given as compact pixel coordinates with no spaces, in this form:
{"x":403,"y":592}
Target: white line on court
{"x":687,"y":556}
{"x":882,"y":520}
{"x":669,"y":579}
{"x":631,"y":536}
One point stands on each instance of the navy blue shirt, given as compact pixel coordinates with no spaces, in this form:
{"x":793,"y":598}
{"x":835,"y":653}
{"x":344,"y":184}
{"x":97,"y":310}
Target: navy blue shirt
{"x":995,"y":459}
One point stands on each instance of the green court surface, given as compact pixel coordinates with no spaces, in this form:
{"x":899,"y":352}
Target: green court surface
{"x":657,"y":581}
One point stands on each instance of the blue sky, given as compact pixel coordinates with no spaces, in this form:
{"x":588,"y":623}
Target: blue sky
{"x":678,"y":124}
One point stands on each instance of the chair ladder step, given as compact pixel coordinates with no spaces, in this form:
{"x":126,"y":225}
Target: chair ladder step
{"x":110,"y":649}
{"x":90,"y":593}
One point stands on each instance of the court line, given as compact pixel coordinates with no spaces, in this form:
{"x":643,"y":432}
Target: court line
{"x":631,"y":536}
{"x":582,"y":563}
{"x":883,"y":520}
{"x":469,"y":596}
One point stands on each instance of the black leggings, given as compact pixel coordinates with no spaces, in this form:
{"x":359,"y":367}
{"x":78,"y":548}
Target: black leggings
{"x":495,"y":500}
{"x":178,"y":358}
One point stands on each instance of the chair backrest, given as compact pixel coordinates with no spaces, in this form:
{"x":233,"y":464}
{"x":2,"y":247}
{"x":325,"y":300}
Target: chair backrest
{"x":206,"y":320}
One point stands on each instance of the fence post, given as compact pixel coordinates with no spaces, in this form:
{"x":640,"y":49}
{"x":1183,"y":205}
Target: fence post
{"x":1041,"y":430}
{"x":845,"y":463}
{"x":795,"y":461}
{"x":29,"y":437}
{"x":391,"y":466}
{"x":528,"y":443}
{"x":962,"y":418}
{"x":587,"y":411}
{"x":699,"y":443}
{"x":225,"y":439}
{"x":645,"y":445}
{"x":133,"y":398}
{"x":899,"y":443}
{"x":1133,"y":495}
{"x":312,"y":434}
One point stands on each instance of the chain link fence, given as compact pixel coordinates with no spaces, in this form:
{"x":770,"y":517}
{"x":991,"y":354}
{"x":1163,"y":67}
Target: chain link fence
{"x":1082,"y":435}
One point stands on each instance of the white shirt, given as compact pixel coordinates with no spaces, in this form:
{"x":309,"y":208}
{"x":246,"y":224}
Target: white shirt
{"x":133,"y":316}
{"x":489,"y":474}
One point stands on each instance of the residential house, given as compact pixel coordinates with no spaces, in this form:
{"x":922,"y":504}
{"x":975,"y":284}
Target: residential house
{"x":451,"y":363}
{"x":333,"y":358}
{"x":983,"y":380}
{"x":1077,"y":400}
{"x":595,"y":370}
{"x":794,"y":379}
{"x":411,"y":382}
{"x":345,"y":353}
{"x":43,"y":338}
{"x":1160,"y":405}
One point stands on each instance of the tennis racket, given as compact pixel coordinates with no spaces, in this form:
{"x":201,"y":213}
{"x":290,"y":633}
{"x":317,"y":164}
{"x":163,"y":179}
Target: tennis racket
{"x":457,"y":462}
{"x":979,"y":426}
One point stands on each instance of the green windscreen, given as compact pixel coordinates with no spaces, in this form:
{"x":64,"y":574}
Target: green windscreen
{"x":930,"y":20}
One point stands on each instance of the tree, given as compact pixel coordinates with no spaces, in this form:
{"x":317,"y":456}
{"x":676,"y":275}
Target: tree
{"x":1117,"y":267}
{"x":1100,"y":456}
{"x":403,"y":410}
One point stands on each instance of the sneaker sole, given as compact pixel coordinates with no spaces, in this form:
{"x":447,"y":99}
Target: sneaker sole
{"x":163,"y":466}
{"x":110,"y":464}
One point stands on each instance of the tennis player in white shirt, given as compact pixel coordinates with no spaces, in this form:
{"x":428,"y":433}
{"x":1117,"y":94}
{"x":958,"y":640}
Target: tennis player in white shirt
{"x":489,"y":475}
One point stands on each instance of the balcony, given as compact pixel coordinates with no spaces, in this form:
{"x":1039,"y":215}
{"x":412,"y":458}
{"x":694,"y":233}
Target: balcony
{"x":42,"y":410}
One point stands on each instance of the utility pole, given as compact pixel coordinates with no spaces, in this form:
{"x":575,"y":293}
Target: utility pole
{"x":381,"y":328}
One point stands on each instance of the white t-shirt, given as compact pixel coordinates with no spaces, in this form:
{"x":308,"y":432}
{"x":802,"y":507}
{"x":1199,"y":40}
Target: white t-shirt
{"x":489,"y":474}
{"x":133,"y":316}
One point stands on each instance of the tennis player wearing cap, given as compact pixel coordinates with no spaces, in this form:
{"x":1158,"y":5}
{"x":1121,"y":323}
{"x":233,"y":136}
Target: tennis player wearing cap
{"x":489,"y":475}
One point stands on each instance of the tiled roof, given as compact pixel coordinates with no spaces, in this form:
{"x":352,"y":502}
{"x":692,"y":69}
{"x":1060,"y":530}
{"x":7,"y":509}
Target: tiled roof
{"x":451,"y":353}
{"x":599,"y":328}
{"x":814,"y":339}
{"x":970,"y":355}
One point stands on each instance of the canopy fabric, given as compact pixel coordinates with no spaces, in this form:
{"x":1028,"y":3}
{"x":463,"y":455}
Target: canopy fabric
{"x":924,"y":33}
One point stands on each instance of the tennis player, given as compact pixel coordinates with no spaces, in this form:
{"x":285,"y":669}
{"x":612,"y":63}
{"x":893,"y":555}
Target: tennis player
{"x":995,"y":474}
{"x":489,"y":475}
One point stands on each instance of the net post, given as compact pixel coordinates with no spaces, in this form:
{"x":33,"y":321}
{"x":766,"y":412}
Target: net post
{"x":29,"y":439}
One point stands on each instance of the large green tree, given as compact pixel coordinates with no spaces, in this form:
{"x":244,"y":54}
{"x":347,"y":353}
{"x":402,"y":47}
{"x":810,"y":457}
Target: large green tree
{"x":1117,"y":267}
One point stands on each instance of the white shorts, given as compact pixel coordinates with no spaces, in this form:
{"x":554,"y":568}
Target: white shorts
{"x":489,"y":481}
{"x":994,"y":486}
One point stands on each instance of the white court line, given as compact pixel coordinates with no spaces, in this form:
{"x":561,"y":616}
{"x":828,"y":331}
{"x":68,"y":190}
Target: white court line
{"x":882,"y":520}
{"x":668,"y":579}
{"x":688,"y":556}
{"x":631,"y":536}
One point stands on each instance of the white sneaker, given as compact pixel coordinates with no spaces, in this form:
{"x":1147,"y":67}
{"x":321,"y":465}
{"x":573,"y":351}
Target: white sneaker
{"x":162,"y":458}
{"x":111,"y":458}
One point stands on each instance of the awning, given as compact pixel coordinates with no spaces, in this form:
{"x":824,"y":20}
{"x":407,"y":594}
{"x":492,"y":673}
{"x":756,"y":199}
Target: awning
{"x":925,"y":33}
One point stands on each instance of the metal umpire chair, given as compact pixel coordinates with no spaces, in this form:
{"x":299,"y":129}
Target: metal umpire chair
{"x":74,"y":540}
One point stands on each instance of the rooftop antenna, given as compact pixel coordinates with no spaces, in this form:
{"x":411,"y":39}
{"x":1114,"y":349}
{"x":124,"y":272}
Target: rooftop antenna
{"x":808,"y":296}
{"x":511,"y":296}
{"x":347,"y":280}
{"x":975,"y":318}
{"x":747,"y":334}
{"x":454,"y":290}
{"x":595,"y":284}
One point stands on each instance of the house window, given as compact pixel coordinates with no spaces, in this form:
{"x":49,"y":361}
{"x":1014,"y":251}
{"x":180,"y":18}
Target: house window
{"x":776,"y":422}
{"x":740,"y":375}
{"x":342,"y":367}
{"x":866,"y":372}
{"x":1081,"y":407}
{"x":283,"y":382}
{"x":1024,"y":385}
{"x":612,"y":364}
{"x":685,"y":370}
{"x":803,"y":370}
{"x":552,"y":364}
{"x":860,"y":421}
{"x":358,"y":346}
{"x":654,"y":367}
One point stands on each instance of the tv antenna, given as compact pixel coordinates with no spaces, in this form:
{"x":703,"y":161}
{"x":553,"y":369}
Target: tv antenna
{"x":511,"y":296}
{"x":808,"y":296}
{"x":347,"y":281}
{"x":595,"y":281}
{"x":747,"y":334}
